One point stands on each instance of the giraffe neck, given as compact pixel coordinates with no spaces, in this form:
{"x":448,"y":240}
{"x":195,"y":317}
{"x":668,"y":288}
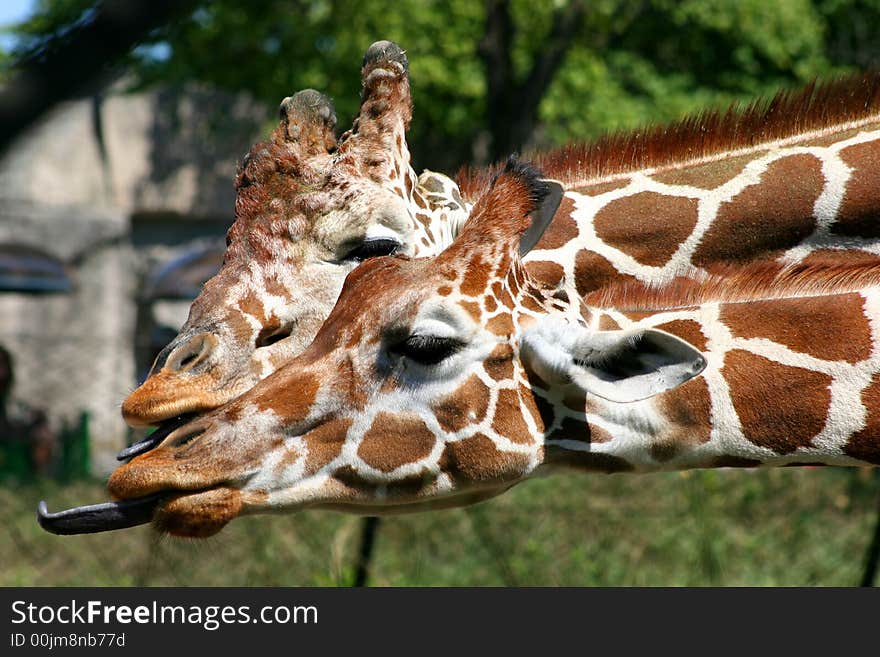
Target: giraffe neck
{"x":808,"y":203}
{"x":786,"y":181}
{"x":789,"y":380}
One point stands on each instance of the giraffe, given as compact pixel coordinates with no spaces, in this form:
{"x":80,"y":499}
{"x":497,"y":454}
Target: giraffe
{"x":308,"y":210}
{"x":787,"y":182}
{"x":443,"y":381}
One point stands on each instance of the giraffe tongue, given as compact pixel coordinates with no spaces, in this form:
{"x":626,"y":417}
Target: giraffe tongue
{"x":153,"y":439}
{"x":99,"y":517}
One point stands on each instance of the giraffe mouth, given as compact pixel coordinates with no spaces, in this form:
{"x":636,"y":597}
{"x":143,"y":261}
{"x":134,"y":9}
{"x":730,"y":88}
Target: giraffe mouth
{"x":102,"y":517}
{"x":153,"y":440}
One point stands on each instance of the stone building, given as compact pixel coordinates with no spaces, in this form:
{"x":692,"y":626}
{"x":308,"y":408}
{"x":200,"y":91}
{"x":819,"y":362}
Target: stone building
{"x":114,"y":188}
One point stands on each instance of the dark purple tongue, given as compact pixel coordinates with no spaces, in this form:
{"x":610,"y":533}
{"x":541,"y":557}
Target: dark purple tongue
{"x":153,"y":439}
{"x":99,"y":517}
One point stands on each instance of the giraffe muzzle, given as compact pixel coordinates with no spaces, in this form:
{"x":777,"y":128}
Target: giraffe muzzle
{"x":103,"y":517}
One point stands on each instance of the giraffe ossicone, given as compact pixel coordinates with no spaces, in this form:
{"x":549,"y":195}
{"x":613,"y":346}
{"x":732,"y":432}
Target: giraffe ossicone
{"x":309,"y":208}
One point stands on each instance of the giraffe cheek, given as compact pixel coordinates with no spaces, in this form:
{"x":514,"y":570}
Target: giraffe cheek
{"x":394,"y":441}
{"x":477,"y":460}
{"x":199,"y":515}
{"x":464,"y":407}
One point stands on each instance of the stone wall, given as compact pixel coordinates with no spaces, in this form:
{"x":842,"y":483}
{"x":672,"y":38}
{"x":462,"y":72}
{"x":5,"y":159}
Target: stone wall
{"x":74,"y":186}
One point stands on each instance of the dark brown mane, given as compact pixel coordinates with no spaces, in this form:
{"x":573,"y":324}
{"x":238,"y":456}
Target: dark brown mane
{"x":817,"y":107}
{"x":753,"y":282}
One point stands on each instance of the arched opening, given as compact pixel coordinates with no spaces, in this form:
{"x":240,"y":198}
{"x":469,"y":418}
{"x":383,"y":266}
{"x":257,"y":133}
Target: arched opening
{"x":29,"y":270}
{"x":28,"y":443}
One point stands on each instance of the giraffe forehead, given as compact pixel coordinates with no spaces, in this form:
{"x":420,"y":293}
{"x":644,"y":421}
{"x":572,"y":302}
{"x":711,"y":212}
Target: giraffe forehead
{"x":369,"y":208}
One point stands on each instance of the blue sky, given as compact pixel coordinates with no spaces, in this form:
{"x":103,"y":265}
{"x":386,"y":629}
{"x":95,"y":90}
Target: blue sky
{"x":14,"y":10}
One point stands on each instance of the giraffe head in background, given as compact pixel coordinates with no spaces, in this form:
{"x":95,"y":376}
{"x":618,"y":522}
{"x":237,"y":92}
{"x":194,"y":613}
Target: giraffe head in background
{"x":415,"y":392}
{"x":308,"y":210}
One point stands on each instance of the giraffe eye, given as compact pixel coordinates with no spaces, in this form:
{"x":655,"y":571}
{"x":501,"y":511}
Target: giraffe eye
{"x":373,"y":249}
{"x":427,"y":349}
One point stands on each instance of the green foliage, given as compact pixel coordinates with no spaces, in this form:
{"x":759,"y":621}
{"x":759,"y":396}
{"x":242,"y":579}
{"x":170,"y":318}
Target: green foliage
{"x":675,"y":58}
{"x":51,"y":18}
{"x":782,"y":527}
{"x":631,"y":62}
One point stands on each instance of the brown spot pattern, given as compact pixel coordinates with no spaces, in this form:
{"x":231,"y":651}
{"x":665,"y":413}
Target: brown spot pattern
{"x":548,"y":274}
{"x":508,"y":420}
{"x":562,"y":229}
{"x":477,"y":459}
{"x":830,"y":327}
{"x":758,"y":385}
{"x":530,"y":302}
{"x":476,"y":278}
{"x":499,"y":364}
{"x":688,"y":330}
{"x":453,"y":412}
{"x":865,"y":444}
{"x":766,"y":218}
{"x":252,"y":305}
{"x":688,"y":409}
{"x":296,"y":402}
{"x":603,"y":188}
{"x":592,"y":272}
{"x":528,"y":402}
{"x":473,"y":309}
{"x":858,"y":215}
{"x":501,"y":324}
{"x":393,"y":441}
{"x":647,"y":226}
{"x":325,"y":444}
{"x":707,"y":176}
{"x":240,"y":327}
{"x":834,"y":257}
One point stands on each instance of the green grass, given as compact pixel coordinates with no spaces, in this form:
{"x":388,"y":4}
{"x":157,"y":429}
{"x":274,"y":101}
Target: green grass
{"x":785,"y":527}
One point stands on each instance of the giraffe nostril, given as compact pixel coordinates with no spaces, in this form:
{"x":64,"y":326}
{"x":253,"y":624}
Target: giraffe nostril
{"x":191,"y":353}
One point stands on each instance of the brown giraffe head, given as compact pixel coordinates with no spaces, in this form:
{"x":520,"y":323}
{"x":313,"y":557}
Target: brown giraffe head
{"x":413,"y":395}
{"x":308,"y":210}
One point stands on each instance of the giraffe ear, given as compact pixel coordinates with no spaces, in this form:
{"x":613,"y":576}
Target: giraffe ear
{"x":542,"y":216}
{"x":620,"y":366}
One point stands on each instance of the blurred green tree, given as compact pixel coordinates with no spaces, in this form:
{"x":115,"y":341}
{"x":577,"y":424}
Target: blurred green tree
{"x":501,"y":75}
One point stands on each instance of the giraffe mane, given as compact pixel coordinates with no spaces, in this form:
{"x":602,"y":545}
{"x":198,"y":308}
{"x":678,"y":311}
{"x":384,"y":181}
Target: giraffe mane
{"x":738,"y":284}
{"x":816,"y":108}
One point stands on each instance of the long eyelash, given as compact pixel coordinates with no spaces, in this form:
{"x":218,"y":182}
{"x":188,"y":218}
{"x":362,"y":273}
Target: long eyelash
{"x":427,"y":349}
{"x":373,"y":249}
